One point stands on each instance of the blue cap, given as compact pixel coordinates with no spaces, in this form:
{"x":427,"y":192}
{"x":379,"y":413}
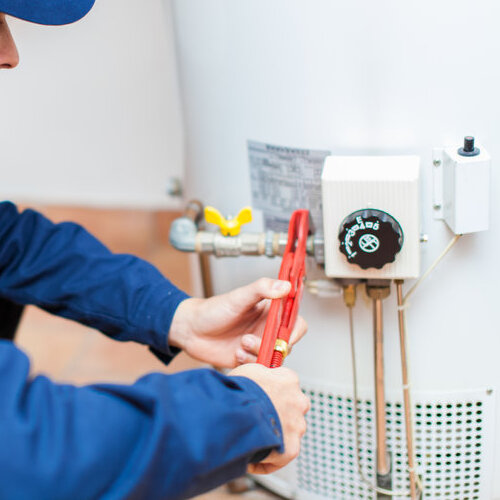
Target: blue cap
{"x":54,"y":12}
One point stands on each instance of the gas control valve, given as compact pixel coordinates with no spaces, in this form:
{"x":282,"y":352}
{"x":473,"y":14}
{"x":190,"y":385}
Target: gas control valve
{"x":370,"y":238}
{"x":381,"y":194}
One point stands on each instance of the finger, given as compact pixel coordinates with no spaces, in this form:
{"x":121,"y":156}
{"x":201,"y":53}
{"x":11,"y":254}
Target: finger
{"x":243,"y":357}
{"x":299,"y":330}
{"x":251,"y":343}
{"x":274,"y":461}
{"x":307,"y":404}
{"x":264,"y":288}
{"x":262,"y":468}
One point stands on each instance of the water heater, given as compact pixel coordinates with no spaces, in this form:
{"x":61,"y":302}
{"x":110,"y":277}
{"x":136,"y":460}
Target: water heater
{"x":358,"y":111}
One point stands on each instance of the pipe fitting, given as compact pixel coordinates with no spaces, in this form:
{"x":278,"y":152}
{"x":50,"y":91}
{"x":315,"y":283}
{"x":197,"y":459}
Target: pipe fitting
{"x":194,"y":211}
{"x":230,"y":246}
{"x":316,"y":247}
{"x":279,"y":243}
{"x":186,"y":237}
{"x":183,"y":234}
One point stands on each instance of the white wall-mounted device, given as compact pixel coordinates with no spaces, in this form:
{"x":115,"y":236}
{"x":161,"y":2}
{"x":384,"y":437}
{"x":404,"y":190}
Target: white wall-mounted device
{"x":371,"y":216}
{"x":462,"y":187}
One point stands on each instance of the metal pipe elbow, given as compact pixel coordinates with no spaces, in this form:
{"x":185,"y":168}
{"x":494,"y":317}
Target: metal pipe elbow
{"x":183,"y":234}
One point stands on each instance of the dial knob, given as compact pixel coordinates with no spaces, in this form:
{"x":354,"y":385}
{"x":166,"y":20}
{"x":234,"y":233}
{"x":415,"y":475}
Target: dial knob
{"x":370,"y":238}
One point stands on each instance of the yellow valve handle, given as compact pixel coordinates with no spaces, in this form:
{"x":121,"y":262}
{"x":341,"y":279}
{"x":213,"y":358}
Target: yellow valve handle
{"x":228,"y":227}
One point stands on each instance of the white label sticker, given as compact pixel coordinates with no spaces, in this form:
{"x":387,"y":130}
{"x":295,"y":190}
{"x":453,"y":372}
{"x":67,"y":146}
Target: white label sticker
{"x":285,"y":179}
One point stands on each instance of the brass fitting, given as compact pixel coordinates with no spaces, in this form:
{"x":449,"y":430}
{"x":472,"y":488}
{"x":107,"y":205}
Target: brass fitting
{"x":378,"y":292}
{"x":349,"y":295}
{"x":281,"y":346}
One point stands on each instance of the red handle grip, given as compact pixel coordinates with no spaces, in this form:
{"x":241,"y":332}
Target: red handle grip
{"x":283,"y":312}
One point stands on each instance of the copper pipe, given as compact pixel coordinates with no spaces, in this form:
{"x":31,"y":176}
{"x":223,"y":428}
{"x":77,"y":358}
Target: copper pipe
{"x":383,"y":466}
{"x":350,"y":300}
{"x":194,"y":211}
{"x":406,"y":392}
{"x":206,"y":275}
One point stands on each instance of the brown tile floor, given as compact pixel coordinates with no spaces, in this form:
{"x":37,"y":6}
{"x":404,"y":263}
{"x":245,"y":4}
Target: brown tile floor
{"x":69,"y":352}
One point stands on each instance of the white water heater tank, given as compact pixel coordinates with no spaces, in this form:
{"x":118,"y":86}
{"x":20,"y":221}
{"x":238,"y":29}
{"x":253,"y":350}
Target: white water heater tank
{"x":272,"y":87}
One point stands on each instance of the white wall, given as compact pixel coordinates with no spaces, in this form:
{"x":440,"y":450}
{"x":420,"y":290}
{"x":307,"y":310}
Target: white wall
{"x":92,"y":114}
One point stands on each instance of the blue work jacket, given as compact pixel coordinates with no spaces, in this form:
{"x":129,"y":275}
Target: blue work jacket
{"x":164,"y":437}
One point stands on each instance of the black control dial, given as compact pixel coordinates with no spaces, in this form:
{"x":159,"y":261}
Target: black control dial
{"x":370,"y":238}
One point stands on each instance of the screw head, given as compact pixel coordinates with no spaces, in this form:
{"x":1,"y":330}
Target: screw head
{"x":436,"y":162}
{"x":436,"y":206}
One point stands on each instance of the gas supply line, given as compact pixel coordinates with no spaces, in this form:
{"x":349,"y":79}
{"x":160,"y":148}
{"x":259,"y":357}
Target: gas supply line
{"x":187,"y":235}
{"x":182,"y":231}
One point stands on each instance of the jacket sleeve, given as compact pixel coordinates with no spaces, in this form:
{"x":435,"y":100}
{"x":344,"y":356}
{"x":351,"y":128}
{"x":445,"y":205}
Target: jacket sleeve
{"x":66,"y":271}
{"x":164,"y":437}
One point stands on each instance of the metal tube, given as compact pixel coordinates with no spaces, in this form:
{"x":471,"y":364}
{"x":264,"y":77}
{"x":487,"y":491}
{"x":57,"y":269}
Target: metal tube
{"x":406,"y":392}
{"x":383,"y":466}
{"x":194,"y":211}
{"x":214,"y":243}
{"x":206,"y":275}
{"x":183,"y":229}
{"x":382,"y":493}
{"x":187,"y":237}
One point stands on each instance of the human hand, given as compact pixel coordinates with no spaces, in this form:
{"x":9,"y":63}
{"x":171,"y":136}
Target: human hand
{"x":282,"y":387}
{"x":226,"y":330}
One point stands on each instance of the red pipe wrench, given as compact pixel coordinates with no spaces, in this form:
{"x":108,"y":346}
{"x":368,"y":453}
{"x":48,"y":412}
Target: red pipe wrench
{"x":283,"y":312}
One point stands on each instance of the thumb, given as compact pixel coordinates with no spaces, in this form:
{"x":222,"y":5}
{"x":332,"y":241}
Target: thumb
{"x":264,"y":288}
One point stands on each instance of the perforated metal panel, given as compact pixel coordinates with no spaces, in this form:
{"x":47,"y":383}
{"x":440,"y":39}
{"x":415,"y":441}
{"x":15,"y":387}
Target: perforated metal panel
{"x":453,"y":442}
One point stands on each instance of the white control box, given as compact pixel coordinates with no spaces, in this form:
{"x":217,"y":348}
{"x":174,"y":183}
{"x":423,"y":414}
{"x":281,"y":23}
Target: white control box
{"x":388,"y":185}
{"x":462,"y":189}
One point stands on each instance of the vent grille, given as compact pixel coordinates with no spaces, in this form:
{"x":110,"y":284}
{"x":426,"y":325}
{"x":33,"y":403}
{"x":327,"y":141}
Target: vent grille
{"x":453,"y":444}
